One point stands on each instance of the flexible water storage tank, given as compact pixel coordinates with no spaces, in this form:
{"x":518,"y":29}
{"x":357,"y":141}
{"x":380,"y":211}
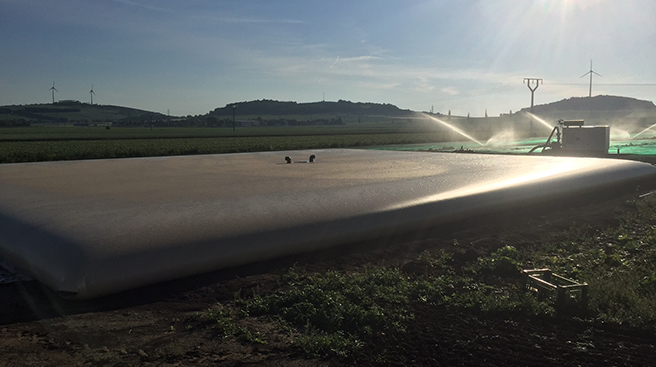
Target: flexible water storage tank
{"x":91,"y":228}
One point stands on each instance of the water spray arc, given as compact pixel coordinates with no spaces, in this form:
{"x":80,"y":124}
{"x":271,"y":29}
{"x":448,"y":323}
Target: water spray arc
{"x":455,"y":129}
{"x":540,"y":120}
{"x":643,"y":131}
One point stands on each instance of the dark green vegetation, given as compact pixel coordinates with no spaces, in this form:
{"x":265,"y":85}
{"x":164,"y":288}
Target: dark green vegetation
{"x":102,"y":133}
{"x":335,"y":313}
{"x":52,"y":144}
{"x":596,"y":103}
{"x":72,"y":112}
{"x":626,"y":113}
{"x":619,"y":264}
{"x":72,"y":150}
{"x":276,"y":108}
{"x":72,"y":130}
{"x":251,"y":113}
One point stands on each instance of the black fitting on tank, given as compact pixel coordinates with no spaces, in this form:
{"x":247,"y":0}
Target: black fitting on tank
{"x":289,"y":160}
{"x":312,"y":158}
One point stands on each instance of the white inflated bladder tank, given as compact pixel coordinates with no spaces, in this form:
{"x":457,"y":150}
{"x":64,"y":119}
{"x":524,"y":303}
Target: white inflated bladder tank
{"x":91,"y":228}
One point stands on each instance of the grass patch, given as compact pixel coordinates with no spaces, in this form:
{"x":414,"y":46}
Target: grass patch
{"x":221,"y":319}
{"x":334,"y":314}
{"x":618,"y":263}
{"x":36,"y":151}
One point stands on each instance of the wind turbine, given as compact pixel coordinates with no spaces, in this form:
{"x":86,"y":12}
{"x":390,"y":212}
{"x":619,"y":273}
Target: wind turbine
{"x":91,"y":93}
{"x":53,"y":89}
{"x":590,"y":72}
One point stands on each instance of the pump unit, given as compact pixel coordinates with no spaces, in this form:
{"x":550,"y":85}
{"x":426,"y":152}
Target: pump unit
{"x":577,"y":139}
{"x":593,"y":139}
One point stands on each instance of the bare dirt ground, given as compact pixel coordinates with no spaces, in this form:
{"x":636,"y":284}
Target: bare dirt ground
{"x":154,"y":326}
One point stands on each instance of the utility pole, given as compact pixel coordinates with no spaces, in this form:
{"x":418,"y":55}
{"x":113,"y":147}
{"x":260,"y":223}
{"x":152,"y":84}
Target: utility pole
{"x":234,"y":107}
{"x":532,"y":84}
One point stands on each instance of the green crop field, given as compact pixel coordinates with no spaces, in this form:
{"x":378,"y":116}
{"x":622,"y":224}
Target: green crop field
{"x":50,"y":133}
{"x":52,"y":144}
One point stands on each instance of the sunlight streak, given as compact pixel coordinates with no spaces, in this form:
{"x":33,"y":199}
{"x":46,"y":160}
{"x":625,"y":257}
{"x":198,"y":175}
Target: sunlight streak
{"x":511,"y":181}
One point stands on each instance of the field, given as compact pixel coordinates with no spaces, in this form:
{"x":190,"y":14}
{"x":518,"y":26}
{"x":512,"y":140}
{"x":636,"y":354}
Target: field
{"x":45,"y":133}
{"x":69,"y":143}
{"x":450,"y":296}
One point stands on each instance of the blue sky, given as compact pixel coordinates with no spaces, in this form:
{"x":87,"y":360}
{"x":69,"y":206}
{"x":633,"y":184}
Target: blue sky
{"x":192,"y":56}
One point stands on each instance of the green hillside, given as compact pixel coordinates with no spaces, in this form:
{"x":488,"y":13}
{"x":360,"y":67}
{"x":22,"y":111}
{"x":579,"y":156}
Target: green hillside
{"x":609,"y":110}
{"x":279,"y":113}
{"x":270,"y":108}
{"x":73,"y":112}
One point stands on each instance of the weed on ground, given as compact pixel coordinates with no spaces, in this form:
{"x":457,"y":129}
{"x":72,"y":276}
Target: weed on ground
{"x":334,"y":314}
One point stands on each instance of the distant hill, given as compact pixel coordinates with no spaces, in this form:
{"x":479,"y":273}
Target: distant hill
{"x":75,"y":112}
{"x":599,"y":110}
{"x":267,"y":107}
{"x":604,"y":109}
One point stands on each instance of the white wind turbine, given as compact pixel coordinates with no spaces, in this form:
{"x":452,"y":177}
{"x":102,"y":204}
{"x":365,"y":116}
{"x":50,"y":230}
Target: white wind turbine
{"x":91,"y":93}
{"x":53,"y":90}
